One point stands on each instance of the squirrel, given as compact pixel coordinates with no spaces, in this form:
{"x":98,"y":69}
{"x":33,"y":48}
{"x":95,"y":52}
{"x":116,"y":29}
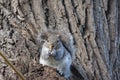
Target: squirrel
{"x":54,"y":54}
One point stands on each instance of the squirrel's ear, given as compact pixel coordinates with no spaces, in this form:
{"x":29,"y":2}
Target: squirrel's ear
{"x":44,"y":36}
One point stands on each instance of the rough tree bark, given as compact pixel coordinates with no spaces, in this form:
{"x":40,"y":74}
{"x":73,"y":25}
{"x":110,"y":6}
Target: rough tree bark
{"x":94,"y":24}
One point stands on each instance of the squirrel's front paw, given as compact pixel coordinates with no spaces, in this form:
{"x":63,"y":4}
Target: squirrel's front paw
{"x":43,"y":64}
{"x":60,"y":73}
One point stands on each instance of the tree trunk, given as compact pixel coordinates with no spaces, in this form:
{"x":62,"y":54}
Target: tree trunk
{"x":92,"y":23}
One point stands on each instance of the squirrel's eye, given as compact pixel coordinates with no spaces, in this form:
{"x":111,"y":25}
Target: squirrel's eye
{"x":58,"y":40}
{"x":47,"y":40}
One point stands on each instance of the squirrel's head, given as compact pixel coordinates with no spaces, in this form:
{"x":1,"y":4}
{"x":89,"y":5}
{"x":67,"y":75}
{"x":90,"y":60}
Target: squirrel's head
{"x":52,"y":38}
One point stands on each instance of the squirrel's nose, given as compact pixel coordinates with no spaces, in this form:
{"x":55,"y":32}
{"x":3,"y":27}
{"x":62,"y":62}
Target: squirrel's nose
{"x":51,"y":47}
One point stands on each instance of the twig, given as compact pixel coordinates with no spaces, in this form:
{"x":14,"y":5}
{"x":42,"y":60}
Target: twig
{"x":12,"y":66}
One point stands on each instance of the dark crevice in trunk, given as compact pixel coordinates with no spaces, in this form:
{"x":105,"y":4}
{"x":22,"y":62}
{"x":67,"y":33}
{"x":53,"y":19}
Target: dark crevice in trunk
{"x":119,"y":23}
{"x":75,"y":11}
{"x":86,"y":18}
{"x":11,"y":33}
{"x":76,"y":73}
{"x":85,"y":28}
{"x":46,"y":12}
{"x":86,"y":43}
{"x":30,"y":4}
{"x":67,"y":15}
{"x":108,"y":8}
{"x":1,"y":19}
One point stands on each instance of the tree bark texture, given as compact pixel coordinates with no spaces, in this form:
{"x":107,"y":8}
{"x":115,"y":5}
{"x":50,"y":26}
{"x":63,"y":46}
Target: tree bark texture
{"x":94,"y":25}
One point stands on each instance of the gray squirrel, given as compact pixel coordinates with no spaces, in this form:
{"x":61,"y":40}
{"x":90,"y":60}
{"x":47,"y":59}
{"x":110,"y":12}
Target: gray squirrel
{"x":54,"y":54}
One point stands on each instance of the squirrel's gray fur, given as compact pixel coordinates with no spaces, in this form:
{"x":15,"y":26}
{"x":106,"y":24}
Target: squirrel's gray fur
{"x":55,"y":54}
